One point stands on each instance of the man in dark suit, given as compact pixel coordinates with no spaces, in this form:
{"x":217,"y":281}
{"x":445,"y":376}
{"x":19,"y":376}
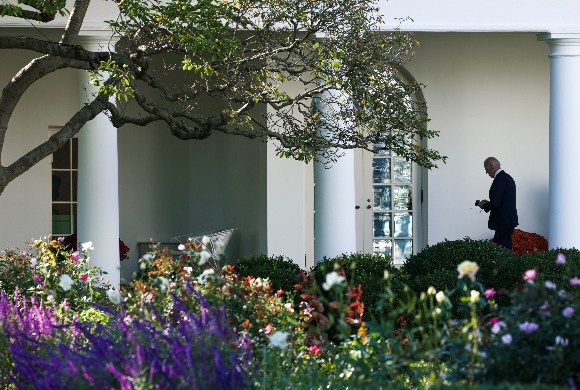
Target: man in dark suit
{"x":503,"y":217}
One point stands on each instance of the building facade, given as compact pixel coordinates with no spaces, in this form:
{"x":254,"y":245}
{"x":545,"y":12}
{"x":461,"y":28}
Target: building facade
{"x":501,"y":79}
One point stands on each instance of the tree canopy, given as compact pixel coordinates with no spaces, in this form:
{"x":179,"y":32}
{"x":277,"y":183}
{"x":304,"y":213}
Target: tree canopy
{"x":245,"y":54}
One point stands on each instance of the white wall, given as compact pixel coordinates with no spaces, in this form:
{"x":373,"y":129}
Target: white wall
{"x":25,"y":203}
{"x":490,"y":15}
{"x":227,"y":189}
{"x":489,"y":96}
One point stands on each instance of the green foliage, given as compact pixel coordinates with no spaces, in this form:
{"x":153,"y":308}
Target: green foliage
{"x":437,"y":265}
{"x":282,"y":272}
{"x":368,"y":270}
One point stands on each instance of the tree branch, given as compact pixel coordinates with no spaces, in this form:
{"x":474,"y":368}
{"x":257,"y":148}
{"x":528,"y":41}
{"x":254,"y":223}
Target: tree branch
{"x":75,"y":21}
{"x":55,"y":142}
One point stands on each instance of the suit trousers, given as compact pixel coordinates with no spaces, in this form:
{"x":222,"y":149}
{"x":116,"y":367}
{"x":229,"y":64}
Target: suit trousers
{"x":503,"y":237}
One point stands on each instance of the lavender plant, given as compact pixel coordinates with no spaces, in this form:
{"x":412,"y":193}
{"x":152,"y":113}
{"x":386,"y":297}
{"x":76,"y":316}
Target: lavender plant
{"x":24,"y":323}
{"x":197,"y":352}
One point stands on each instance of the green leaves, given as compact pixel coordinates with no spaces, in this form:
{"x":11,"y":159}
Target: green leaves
{"x":270,"y":63}
{"x":113,"y":80}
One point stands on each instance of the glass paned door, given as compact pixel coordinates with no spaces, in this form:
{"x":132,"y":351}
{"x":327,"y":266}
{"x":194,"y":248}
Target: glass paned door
{"x":392,"y":205}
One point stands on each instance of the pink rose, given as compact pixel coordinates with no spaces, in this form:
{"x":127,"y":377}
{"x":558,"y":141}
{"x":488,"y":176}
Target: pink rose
{"x":574,"y":281}
{"x":530,"y":274}
{"x":489,"y":293}
{"x":84,"y":277}
{"x":560,"y":259}
{"x":269,"y":329}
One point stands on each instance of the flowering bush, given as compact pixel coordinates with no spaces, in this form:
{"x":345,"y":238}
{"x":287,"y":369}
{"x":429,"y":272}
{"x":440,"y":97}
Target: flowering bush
{"x":536,"y":339}
{"x":253,"y":307}
{"x":50,"y":271}
{"x":161,"y":275}
{"x":282,"y":272}
{"x":364,"y":269}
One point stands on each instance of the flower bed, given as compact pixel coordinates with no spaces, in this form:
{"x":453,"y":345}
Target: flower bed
{"x":188,"y":323}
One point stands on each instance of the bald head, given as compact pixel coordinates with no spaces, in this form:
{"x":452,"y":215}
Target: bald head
{"x":491,"y":166}
{"x":492,"y":161}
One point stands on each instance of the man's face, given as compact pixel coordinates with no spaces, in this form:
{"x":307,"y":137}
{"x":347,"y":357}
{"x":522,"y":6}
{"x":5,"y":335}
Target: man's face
{"x":490,"y":170}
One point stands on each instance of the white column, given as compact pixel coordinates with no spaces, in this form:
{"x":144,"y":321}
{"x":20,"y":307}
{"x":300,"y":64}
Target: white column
{"x":98,"y":192}
{"x":564,"y":139}
{"x":334,"y":203}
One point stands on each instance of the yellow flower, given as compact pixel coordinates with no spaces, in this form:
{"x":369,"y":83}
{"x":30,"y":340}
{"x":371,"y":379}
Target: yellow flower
{"x":431,"y":290}
{"x":468,"y":268}
{"x":474,"y":296}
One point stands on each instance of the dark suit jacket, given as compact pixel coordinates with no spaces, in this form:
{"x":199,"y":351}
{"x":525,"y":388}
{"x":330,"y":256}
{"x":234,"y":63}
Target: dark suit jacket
{"x":502,"y":203}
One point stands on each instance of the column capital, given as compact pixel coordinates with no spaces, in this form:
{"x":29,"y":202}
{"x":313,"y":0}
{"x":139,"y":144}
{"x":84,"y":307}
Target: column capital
{"x":562,"y":44}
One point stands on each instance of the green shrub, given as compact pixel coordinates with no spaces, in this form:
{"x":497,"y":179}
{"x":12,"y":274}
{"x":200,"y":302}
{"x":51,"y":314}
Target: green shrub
{"x":282,"y":272}
{"x":437,"y":265}
{"x":365,"y":269}
{"x":510,"y":273}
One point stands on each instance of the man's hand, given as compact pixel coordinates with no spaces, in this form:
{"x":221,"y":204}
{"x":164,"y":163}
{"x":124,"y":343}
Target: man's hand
{"x":481,"y":203}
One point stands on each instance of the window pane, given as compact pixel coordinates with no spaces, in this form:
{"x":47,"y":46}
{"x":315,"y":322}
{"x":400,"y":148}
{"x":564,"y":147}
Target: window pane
{"x":382,"y":198}
{"x":75,"y":181}
{"x":61,"y":186}
{"x":381,"y":225}
{"x":75,"y":153}
{"x":403,"y":198}
{"x":403,"y":249}
{"x":402,"y":171}
{"x":383,"y":247}
{"x":381,"y":170}
{"x":74,"y":218}
{"x":403,"y":225}
{"x":381,"y":152}
{"x":61,"y":158}
{"x":61,"y":217}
